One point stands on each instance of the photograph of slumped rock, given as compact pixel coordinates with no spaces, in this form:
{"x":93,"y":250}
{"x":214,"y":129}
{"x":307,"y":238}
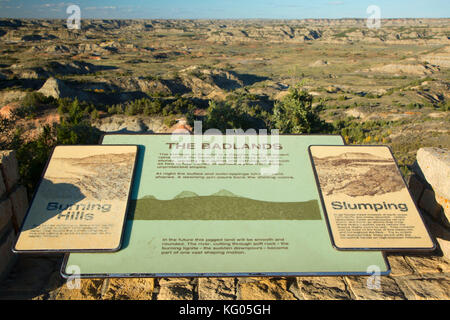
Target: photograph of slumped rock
{"x":223,"y":205}
{"x":97,"y":177}
{"x":358,"y":174}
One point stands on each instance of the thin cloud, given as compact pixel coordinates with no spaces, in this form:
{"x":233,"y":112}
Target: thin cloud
{"x":101,"y":8}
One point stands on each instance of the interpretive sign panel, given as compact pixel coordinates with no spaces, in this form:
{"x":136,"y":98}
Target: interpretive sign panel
{"x":81,"y":201}
{"x":366,"y":200}
{"x":210,"y":205}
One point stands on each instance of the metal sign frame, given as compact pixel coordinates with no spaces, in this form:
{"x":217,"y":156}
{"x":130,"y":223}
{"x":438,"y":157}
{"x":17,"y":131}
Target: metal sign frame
{"x":78,"y":250}
{"x":319,"y":189}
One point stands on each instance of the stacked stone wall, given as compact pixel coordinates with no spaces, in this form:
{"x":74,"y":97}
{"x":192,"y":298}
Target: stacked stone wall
{"x":13,"y":207}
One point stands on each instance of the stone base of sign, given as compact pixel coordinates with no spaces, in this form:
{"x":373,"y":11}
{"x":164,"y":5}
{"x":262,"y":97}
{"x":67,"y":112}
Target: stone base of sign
{"x":6,"y":214}
{"x":7,"y":257}
{"x":265,"y":289}
{"x":19,"y":201}
{"x":427,"y":184}
{"x":9,"y":169}
{"x":432,"y":173}
{"x":412,"y":277}
{"x":217,"y":289}
{"x":324,"y":288}
{"x":13,"y":206}
{"x":176,"y":289}
{"x":415,"y":278}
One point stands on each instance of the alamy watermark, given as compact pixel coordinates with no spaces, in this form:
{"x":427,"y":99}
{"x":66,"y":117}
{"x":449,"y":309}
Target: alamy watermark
{"x":374,"y":20}
{"x":74,"y":19}
{"x":236,"y":147}
{"x":374,"y":281}
{"x":74,"y":279}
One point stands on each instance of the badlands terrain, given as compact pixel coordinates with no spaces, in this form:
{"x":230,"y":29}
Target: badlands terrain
{"x":387,"y":85}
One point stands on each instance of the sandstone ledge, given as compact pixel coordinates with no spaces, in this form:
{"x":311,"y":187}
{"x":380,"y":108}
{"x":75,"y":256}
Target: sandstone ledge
{"x":412,"y":277}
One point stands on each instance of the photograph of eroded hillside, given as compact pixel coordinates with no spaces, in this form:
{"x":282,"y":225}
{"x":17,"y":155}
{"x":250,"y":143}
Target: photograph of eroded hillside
{"x":100,"y":177}
{"x":357,"y":174}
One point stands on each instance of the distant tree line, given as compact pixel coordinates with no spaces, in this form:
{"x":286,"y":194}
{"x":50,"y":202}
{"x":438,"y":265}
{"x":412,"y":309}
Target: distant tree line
{"x":153,"y":107}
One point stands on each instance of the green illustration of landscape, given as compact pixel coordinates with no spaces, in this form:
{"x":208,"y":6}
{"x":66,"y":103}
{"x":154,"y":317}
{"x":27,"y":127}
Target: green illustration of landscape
{"x":223,"y":205}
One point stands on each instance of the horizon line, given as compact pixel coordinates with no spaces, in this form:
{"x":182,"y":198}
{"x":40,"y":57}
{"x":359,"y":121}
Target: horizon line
{"x":235,"y":19}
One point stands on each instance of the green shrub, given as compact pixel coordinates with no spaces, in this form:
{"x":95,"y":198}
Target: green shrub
{"x":95,"y":115}
{"x":179,"y":106}
{"x":37,"y":99}
{"x":223,"y":116}
{"x":32,"y":103}
{"x":371,"y":96}
{"x":154,"y":106}
{"x":294,"y":114}
{"x":170,"y":121}
{"x":366,"y":132}
{"x":6,"y":135}
{"x":444,"y":106}
{"x":415,"y":105}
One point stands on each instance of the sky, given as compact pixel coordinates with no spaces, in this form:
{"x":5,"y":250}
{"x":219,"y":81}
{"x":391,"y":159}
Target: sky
{"x":225,"y":9}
